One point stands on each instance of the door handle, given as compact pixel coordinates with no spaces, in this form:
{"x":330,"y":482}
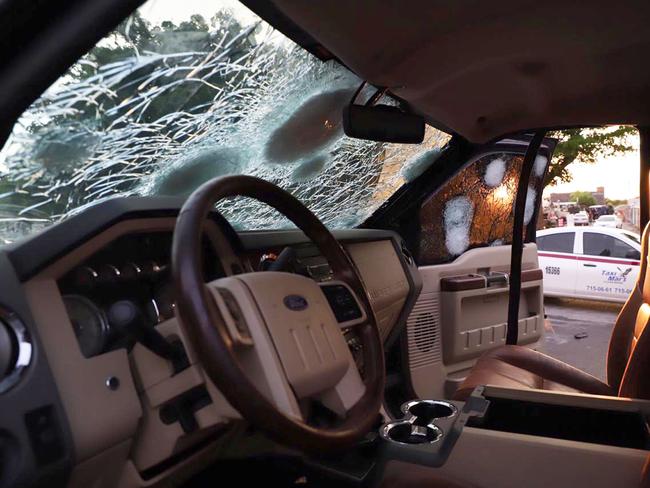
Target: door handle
{"x":589,"y":265}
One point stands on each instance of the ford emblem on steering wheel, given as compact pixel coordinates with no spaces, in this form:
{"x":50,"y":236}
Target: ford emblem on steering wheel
{"x":295,"y":302}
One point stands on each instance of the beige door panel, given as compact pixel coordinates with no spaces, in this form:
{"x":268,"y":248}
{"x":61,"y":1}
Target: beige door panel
{"x":475,"y":320}
{"x":462,"y":313}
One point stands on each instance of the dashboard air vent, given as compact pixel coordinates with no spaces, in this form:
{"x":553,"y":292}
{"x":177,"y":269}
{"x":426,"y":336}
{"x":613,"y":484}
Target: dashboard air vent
{"x":15,"y":349}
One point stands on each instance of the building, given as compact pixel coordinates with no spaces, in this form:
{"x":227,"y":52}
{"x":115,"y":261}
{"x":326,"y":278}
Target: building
{"x":599,"y":196}
{"x":630,"y":213}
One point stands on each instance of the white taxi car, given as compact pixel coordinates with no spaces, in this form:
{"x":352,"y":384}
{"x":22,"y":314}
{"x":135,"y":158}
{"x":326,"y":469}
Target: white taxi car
{"x":581,"y":218}
{"x":589,"y":262}
{"x":611,"y":221}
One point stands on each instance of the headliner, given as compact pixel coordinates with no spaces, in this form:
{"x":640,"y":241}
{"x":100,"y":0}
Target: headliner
{"x":485,"y":69}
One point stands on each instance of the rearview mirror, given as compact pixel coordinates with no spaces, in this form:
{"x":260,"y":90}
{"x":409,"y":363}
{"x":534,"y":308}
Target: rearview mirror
{"x":382,"y":123}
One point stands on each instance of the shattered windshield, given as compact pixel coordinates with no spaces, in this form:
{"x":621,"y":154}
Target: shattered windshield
{"x":182,"y":92}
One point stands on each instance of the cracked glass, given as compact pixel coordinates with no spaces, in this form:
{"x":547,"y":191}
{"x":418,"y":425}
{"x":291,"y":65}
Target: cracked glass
{"x":475,"y":208}
{"x":182,"y":92}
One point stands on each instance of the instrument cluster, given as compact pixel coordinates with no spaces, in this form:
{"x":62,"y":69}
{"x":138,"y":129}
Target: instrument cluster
{"x":135,"y":267}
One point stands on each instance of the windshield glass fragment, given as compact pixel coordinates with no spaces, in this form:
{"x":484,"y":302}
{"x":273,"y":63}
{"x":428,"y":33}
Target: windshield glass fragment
{"x":175,"y":97}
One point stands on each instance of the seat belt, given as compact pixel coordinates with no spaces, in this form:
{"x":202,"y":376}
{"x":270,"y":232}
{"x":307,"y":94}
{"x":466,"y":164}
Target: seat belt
{"x":514,"y":293}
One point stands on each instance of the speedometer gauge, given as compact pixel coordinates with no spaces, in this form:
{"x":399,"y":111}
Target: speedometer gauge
{"x":89,"y":324}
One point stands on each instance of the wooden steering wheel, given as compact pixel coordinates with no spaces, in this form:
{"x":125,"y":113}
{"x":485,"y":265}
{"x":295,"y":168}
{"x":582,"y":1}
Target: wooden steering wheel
{"x":284,"y":321}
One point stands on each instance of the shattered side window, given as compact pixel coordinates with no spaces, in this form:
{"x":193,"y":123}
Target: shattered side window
{"x":475,"y":208}
{"x":183,"y":92}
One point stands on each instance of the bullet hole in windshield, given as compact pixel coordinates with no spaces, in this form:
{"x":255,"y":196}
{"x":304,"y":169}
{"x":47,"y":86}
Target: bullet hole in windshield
{"x":194,"y":170}
{"x":313,"y":126}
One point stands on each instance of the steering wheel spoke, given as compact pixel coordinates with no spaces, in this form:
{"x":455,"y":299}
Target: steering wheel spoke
{"x":251,"y":345}
{"x":232,"y":314}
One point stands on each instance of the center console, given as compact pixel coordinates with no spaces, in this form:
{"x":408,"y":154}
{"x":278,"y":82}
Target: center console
{"x":429,"y":429}
{"x":605,"y":421}
{"x":504,"y":437}
{"x":603,"y":439}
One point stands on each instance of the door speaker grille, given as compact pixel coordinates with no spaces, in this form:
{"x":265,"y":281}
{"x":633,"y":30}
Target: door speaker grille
{"x":423,"y":332}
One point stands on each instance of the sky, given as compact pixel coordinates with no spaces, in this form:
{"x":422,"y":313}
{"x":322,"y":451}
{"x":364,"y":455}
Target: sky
{"x":618,"y":174}
{"x":178,"y":10}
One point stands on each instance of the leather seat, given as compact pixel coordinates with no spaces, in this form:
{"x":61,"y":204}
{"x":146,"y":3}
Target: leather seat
{"x":628,"y":357}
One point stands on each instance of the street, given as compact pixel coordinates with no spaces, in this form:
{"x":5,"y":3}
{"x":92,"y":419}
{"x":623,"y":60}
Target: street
{"x":568,"y":317}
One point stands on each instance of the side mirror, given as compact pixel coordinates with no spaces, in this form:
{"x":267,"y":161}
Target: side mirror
{"x":382,"y":123}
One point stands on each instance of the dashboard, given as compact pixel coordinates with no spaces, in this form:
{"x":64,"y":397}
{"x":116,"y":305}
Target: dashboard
{"x":83,"y":394}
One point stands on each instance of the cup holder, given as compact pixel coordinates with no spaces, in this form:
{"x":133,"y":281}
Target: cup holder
{"x":429,"y":430}
{"x":419,"y":423}
{"x":406,"y":432}
{"x":423,"y":412}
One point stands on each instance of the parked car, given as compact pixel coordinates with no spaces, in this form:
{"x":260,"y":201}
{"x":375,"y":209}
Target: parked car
{"x":581,"y":218}
{"x":598,"y":210}
{"x":611,"y":221}
{"x":596,"y":263}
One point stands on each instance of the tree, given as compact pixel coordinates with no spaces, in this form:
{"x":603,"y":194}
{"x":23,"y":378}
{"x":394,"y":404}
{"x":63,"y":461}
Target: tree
{"x":583,"y":198}
{"x":136,"y":37}
{"x":586,"y":146}
{"x":133,"y":80}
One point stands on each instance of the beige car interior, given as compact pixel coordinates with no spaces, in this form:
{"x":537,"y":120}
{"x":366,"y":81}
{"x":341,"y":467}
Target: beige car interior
{"x":472,"y":411}
{"x":511,"y":369}
{"x":456,"y":329}
{"x":125,"y":435}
